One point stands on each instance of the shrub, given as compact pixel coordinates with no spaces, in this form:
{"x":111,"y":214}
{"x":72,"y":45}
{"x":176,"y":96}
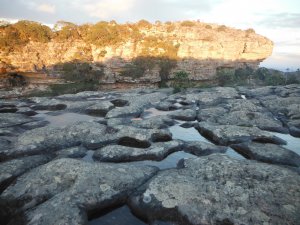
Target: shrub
{"x":225,"y":76}
{"x":81,"y":72}
{"x":222,"y":28}
{"x":139,"y":65}
{"x":181,"y":80}
{"x":188,"y":23}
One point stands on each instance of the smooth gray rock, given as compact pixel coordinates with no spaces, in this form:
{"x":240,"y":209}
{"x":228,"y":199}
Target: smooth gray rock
{"x":217,"y":189}
{"x":16,"y":167}
{"x":35,"y":124}
{"x":119,"y":153}
{"x":13,"y":119}
{"x":100,"y":109}
{"x":165,"y":106}
{"x":230,"y":134}
{"x":127,"y":111}
{"x":64,"y":191}
{"x":268,"y":153}
{"x":47,"y":104}
{"x":185,"y":115}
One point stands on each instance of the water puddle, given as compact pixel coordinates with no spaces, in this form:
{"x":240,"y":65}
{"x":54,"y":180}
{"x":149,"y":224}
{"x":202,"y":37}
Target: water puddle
{"x":293,"y":143}
{"x":89,"y":156}
{"x":122,"y":216}
{"x":119,"y":216}
{"x":61,"y":120}
{"x":151,"y":112}
{"x":191,"y":134}
{"x":169,"y":162}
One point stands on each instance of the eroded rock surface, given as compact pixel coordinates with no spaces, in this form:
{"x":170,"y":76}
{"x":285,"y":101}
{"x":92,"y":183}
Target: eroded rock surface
{"x":217,"y":189}
{"x":57,"y":193}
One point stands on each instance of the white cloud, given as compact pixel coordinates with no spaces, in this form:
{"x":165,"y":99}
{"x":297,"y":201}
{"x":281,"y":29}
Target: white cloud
{"x":107,"y":9}
{"x":47,"y":8}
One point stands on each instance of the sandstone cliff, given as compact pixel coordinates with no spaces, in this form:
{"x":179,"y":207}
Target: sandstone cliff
{"x":197,"y":48}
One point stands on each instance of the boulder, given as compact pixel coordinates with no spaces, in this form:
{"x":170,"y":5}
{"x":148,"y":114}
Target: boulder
{"x":13,"y":119}
{"x":156,"y":122}
{"x":200,"y":148}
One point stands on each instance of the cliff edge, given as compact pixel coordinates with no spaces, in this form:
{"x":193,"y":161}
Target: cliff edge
{"x":140,"y":52}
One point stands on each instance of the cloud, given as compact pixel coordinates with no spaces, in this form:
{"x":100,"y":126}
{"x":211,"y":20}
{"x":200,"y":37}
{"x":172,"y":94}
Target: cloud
{"x":104,"y":9}
{"x":284,"y":20}
{"x":47,"y":8}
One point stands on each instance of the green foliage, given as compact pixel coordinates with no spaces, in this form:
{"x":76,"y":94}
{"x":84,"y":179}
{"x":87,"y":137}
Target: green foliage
{"x":81,"y":72}
{"x":225,"y":76}
{"x":188,"y":23}
{"x":18,"y":34}
{"x":180,"y":81}
{"x":276,"y":78}
{"x":137,"y":68}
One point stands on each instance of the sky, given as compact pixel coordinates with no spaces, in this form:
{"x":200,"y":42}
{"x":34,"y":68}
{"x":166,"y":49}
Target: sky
{"x":279,"y":20}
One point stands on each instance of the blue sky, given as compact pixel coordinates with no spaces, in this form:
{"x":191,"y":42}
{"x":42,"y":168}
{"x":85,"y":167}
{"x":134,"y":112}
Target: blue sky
{"x":278,"y":20}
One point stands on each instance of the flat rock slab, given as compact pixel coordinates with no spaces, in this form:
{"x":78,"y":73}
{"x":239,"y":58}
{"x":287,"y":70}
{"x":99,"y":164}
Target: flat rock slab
{"x":230,"y":134}
{"x":13,"y":119}
{"x":268,"y":153}
{"x":200,"y":148}
{"x":48,"y":138}
{"x":100,"y":109}
{"x":65,"y":190}
{"x":185,"y":115}
{"x":14,"y":168}
{"x":156,"y":122}
{"x":217,"y":189}
{"x":118,"y":153}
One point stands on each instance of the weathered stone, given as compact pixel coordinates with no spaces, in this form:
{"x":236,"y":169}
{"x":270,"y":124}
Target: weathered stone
{"x":35,"y":124}
{"x":268,"y":153}
{"x":156,"y":122}
{"x":13,"y":119}
{"x":118,"y":153}
{"x":74,"y":152}
{"x":47,"y":104}
{"x":16,"y":167}
{"x":57,"y":193}
{"x":8,"y":110}
{"x":100,"y":109}
{"x":165,"y":106}
{"x":211,"y":114}
{"x":185,"y":115}
{"x":47,"y":139}
{"x":200,"y":148}
{"x":127,"y":111}
{"x":217,"y":189}
{"x":26,"y":111}
{"x":264,"y":121}
{"x":230,"y":134}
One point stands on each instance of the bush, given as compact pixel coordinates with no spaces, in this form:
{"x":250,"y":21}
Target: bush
{"x":188,"y":23}
{"x":81,"y":72}
{"x":139,"y":65}
{"x":225,"y":76}
{"x":181,"y":80}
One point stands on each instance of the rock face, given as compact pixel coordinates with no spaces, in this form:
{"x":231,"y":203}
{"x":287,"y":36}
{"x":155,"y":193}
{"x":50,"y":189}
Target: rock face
{"x":220,"y":190}
{"x":200,"y":50}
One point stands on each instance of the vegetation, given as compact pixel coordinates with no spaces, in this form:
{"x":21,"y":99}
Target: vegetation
{"x":188,"y":23}
{"x":248,"y":76}
{"x":81,"y":72}
{"x":180,"y":81}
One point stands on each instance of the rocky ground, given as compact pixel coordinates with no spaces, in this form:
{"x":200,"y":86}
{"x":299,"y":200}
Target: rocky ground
{"x":72,"y":158}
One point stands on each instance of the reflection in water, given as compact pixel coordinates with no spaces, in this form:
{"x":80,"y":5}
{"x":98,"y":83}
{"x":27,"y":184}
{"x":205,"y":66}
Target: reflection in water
{"x":191,"y":134}
{"x":89,"y":156}
{"x":148,"y":113}
{"x":64,"y":119}
{"x":293,"y":143}
{"x":167,"y":163}
{"x":119,"y":216}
